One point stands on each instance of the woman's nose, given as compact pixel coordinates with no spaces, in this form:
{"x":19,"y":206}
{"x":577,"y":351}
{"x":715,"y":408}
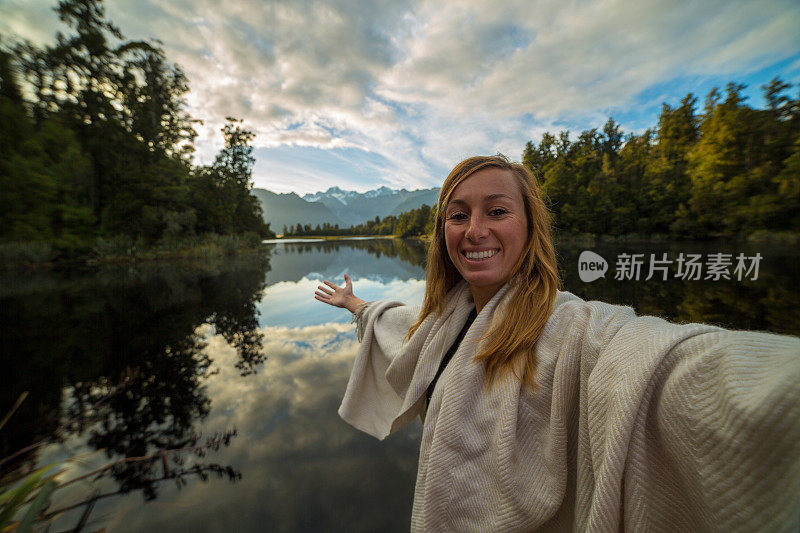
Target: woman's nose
{"x":477,"y":228}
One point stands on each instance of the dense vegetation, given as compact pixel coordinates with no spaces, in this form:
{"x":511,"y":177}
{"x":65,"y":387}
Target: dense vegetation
{"x":411,"y":223}
{"x":96,"y":145}
{"x":730,"y":170}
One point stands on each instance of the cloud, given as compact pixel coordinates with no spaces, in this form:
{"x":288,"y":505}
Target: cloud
{"x":34,"y":21}
{"x":421,"y":84}
{"x":559,"y":59}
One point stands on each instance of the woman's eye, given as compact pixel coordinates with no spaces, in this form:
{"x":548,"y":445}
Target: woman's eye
{"x":457,"y":216}
{"x":497,"y":211}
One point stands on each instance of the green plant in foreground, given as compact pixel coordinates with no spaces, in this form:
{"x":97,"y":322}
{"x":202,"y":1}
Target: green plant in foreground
{"x":32,"y":490}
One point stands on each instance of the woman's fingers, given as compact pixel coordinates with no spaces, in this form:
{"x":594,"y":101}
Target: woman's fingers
{"x":332,"y":294}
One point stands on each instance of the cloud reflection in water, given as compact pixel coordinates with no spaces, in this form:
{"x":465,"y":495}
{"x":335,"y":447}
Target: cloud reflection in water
{"x":304,"y":468}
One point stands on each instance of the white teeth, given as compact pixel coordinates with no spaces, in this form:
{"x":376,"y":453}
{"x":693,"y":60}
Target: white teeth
{"x":480,"y":255}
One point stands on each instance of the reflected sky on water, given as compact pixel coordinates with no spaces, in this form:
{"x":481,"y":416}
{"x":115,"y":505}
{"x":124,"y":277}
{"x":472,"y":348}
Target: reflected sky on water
{"x":297,"y":270}
{"x":302,"y":468}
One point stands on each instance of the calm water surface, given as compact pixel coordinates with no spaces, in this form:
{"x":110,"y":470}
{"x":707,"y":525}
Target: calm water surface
{"x":237,"y":356}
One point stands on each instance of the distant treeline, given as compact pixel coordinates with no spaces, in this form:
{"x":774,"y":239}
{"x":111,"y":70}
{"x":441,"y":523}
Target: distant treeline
{"x":411,"y":223}
{"x":730,"y":170}
{"x":96,"y":142}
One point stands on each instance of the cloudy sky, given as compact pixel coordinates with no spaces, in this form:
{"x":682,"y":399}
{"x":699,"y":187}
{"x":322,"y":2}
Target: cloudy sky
{"x":364,"y":93}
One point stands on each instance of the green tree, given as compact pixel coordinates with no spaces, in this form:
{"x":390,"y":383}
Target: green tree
{"x":43,"y":172}
{"x":225,"y":186}
{"x":667,"y":184}
{"x":720,"y":165}
{"x":154,"y":100}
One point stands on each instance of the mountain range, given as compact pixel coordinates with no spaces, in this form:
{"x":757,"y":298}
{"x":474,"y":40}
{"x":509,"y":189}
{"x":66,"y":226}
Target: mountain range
{"x":335,"y":206}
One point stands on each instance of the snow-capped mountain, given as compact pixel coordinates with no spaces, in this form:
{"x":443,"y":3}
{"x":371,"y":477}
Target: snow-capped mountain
{"x":345,"y":197}
{"x":336,"y":206}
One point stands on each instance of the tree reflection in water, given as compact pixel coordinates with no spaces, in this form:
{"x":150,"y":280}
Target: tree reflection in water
{"x":413,"y":251}
{"x":123,"y":342}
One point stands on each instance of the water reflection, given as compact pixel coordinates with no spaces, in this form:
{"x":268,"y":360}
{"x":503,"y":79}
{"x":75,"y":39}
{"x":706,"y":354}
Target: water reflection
{"x":377,"y":259}
{"x":304,"y":469}
{"x":380,"y":268}
{"x":132,"y":331}
{"x":205,"y":347}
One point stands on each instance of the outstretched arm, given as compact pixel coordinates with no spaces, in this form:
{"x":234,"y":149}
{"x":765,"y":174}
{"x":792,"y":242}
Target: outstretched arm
{"x":339,"y":296}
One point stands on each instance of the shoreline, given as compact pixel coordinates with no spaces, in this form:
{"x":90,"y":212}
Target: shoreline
{"x":44,"y":255}
{"x":318,"y":238}
{"x":119,"y":251}
{"x":756,"y":237}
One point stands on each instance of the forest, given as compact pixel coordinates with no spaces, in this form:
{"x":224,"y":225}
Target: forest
{"x":730,"y":170}
{"x":96,"y":147}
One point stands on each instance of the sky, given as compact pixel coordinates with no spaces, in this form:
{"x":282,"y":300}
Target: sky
{"x":364,"y":93}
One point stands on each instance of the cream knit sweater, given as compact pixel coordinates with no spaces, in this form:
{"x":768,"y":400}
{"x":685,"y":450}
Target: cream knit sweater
{"x":634,"y":423}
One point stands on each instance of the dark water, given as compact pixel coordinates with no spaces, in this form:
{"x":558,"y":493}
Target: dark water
{"x":237,"y":357}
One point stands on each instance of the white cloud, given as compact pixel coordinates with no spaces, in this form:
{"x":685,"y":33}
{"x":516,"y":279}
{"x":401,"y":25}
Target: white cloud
{"x":34,"y":21}
{"x":424,"y":83}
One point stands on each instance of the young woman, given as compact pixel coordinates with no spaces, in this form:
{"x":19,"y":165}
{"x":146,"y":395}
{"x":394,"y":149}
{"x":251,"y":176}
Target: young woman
{"x":543,"y":411}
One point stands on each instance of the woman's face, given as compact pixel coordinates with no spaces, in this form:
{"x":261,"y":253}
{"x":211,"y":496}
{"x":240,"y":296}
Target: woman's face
{"x":486,"y":230}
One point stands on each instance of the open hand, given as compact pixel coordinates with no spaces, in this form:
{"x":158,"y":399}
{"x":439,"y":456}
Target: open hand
{"x":336,"y":296}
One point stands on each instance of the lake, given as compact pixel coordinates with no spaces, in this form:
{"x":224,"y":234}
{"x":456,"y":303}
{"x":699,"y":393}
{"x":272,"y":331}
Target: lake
{"x":234,"y":361}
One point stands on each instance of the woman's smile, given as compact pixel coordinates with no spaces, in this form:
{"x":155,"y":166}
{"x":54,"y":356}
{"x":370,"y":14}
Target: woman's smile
{"x":480,"y":255}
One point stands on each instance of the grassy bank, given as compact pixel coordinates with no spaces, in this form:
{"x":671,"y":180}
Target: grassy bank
{"x":762,"y":236}
{"x":766,"y":237}
{"x":122,"y":249}
{"x":333,"y":237}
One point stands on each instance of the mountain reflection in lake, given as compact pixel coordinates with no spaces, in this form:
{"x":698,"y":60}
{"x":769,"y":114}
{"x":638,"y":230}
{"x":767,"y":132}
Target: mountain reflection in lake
{"x":202,"y":348}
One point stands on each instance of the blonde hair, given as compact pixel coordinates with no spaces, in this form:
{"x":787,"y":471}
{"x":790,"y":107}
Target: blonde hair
{"x":534,"y":277}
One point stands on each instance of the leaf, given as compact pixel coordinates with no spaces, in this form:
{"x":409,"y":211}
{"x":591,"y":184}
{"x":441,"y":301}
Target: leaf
{"x":15,"y":499}
{"x":37,"y":506}
{"x":12,"y":499}
{"x":13,"y":408}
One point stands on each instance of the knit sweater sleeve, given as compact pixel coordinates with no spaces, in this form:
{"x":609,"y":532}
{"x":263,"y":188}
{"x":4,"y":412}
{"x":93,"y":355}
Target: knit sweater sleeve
{"x":371,"y":403}
{"x":695,"y":427}
{"x":729,"y":416}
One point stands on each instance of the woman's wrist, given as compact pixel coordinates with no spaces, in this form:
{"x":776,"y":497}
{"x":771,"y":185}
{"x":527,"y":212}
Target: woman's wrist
{"x":354,"y":304}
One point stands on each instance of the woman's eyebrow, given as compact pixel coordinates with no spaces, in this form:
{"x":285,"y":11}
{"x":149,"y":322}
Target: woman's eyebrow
{"x":487,"y":197}
{"x":499,"y":195}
